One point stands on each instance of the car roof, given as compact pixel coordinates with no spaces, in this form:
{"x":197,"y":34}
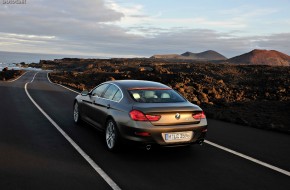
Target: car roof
{"x":135,"y":84}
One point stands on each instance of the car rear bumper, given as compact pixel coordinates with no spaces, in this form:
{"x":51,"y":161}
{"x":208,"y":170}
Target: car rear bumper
{"x":149,"y":134}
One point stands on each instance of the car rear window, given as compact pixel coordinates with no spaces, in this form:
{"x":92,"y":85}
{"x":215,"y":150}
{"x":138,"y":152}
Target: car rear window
{"x":156,"y":96}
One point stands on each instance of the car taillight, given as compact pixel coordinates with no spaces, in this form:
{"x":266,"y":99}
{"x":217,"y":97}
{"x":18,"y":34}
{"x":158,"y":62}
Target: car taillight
{"x":153,"y":117}
{"x":137,"y":115}
{"x":198,"y":116}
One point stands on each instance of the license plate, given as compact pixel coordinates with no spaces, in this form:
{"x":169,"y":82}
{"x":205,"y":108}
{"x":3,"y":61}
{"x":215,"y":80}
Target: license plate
{"x":178,"y":136}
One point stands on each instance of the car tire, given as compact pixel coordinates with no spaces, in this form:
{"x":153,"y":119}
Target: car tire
{"x":112,"y":136}
{"x":76,"y":113}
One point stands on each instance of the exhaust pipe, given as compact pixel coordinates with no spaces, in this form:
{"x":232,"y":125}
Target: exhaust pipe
{"x":148,"y":147}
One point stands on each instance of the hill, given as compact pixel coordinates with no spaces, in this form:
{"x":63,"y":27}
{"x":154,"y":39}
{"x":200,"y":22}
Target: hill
{"x":205,"y":56}
{"x":262,"y":57}
{"x":167,"y":56}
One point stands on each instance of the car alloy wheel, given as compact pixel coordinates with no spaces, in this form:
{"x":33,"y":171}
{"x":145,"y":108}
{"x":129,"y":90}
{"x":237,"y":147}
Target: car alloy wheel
{"x":111,"y":135}
{"x":76,"y":113}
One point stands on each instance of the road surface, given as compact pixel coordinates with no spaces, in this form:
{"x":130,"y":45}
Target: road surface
{"x":36,"y":154}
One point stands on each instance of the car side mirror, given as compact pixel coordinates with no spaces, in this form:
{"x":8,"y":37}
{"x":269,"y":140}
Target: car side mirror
{"x":85,"y":93}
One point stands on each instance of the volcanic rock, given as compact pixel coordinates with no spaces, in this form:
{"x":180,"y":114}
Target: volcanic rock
{"x":235,"y":93}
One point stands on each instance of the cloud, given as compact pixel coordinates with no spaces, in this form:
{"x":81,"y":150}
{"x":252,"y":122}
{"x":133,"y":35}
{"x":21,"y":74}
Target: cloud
{"x":68,"y":21}
{"x":241,"y":17}
{"x":198,"y":40}
{"x":110,"y":30}
{"x":55,"y":17}
{"x":280,"y":42}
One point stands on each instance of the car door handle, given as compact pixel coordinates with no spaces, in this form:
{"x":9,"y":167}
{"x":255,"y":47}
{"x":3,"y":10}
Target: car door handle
{"x":108,"y":106}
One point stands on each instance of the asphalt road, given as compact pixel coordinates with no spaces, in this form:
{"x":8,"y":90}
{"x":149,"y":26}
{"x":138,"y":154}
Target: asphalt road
{"x":35,"y":155}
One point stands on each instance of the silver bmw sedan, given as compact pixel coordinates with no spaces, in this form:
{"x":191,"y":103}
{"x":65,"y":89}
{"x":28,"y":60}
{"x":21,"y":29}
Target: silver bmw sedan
{"x":144,"y":112}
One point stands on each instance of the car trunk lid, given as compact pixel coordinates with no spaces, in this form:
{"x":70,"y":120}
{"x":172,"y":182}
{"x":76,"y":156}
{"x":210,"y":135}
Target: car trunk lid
{"x":171,"y":113}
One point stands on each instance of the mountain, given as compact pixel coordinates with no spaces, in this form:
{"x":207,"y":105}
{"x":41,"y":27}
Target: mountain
{"x":205,"y":56}
{"x":167,"y":56}
{"x":190,"y":55}
{"x":262,"y":57}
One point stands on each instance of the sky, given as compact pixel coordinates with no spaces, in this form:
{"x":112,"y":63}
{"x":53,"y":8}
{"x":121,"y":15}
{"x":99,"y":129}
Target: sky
{"x":142,"y":28}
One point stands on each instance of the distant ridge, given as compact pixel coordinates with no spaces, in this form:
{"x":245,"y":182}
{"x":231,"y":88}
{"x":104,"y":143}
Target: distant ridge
{"x":166,"y":56}
{"x":206,"y":55}
{"x":262,"y":57}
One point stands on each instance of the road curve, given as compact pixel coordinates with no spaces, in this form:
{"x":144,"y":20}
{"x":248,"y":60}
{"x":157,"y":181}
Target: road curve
{"x":34,"y":155}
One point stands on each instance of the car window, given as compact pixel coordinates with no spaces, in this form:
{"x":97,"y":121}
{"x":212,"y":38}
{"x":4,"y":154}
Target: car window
{"x":99,"y":90}
{"x":117,"y":96}
{"x":156,"y":96}
{"x":110,"y":92}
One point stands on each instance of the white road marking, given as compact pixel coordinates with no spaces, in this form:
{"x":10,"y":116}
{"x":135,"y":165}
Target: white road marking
{"x":101,"y":172}
{"x":18,"y":77}
{"x":33,"y":77}
{"x":249,"y":158}
{"x":61,"y":85}
{"x":234,"y":152}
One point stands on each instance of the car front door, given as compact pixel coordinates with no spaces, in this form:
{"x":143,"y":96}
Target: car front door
{"x":103,"y":105}
{"x":91,"y":107}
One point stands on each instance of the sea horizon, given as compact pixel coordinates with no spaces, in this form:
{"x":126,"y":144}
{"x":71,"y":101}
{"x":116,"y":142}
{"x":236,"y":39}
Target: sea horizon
{"x":18,"y":57}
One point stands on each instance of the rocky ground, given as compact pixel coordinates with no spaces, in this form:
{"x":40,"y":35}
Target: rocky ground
{"x":6,"y":74}
{"x":251,"y":95}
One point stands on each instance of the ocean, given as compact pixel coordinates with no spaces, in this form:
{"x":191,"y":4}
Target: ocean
{"x":16,"y":57}
{"x":10,"y":59}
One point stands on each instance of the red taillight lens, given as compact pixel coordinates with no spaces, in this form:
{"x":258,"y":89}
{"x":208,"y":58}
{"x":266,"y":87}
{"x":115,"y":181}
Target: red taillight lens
{"x":153,"y":117}
{"x":199,"y":116}
{"x":137,"y":115}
